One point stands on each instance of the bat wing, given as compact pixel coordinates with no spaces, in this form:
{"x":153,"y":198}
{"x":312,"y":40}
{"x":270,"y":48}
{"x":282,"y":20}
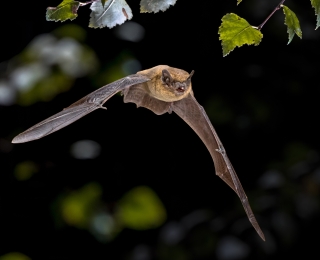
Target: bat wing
{"x":78,"y":109}
{"x":195,"y":116}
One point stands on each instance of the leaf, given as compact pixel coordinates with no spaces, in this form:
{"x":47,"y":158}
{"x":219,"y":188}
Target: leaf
{"x":103,"y":2}
{"x":316,"y":5}
{"x":67,"y":9}
{"x":239,"y":1}
{"x":115,"y":12}
{"x":149,"y":6}
{"x":292,"y":22}
{"x":235,"y":31}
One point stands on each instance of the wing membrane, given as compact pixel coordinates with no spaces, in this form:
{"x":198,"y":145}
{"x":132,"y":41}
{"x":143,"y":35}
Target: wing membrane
{"x":195,"y":116}
{"x":78,"y":109}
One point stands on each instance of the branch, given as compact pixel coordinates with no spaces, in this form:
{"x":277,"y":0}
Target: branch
{"x":276,"y":9}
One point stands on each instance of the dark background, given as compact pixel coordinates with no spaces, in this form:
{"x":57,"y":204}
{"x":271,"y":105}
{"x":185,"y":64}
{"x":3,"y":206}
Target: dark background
{"x":263,"y":102}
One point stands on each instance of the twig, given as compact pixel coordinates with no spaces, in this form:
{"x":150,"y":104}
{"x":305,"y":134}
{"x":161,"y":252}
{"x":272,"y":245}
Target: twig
{"x":276,"y":9}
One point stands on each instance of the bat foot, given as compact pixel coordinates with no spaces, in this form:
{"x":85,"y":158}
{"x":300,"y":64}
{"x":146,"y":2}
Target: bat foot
{"x":101,"y":106}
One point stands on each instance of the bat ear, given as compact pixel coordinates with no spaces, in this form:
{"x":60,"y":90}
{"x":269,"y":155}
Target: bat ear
{"x":190,"y":76}
{"x":166,"y":77}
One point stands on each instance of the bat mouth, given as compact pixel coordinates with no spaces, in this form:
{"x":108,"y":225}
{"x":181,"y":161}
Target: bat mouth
{"x":180,"y":89}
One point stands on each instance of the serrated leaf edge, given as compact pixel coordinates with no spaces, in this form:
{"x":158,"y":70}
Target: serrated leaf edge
{"x":317,"y":15}
{"x":61,"y":20}
{"x":288,"y":28}
{"x":145,"y":11}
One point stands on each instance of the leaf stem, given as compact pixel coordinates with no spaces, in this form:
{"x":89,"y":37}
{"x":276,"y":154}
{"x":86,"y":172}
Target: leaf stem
{"x":89,"y":2}
{"x":276,"y":9}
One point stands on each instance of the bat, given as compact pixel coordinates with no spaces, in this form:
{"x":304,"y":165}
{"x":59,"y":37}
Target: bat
{"x":162,"y":89}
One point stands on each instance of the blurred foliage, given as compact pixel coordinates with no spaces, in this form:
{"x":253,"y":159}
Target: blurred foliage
{"x":24,"y":170}
{"x":14,"y":256}
{"x":78,"y":206}
{"x":140,"y":208}
{"x":49,"y":65}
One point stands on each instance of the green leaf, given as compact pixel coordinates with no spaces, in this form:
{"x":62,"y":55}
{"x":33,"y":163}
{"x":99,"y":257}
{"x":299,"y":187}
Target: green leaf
{"x":316,"y":5}
{"x":115,"y":12}
{"x":292,"y":23}
{"x":64,"y":11}
{"x":154,"y":6}
{"x":239,"y":1}
{"x":235,"y":31}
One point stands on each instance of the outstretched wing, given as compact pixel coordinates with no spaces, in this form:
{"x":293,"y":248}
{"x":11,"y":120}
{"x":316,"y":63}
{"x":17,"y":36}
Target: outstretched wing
{"x":78,"y":109}
{"x":195,"y":116}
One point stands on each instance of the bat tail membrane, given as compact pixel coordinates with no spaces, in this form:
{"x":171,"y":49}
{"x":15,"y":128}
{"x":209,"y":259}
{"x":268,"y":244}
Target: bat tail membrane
{"x":55,"y":122}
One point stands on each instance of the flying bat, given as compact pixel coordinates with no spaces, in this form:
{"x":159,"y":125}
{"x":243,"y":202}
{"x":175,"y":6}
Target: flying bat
{"x":161,"y":89}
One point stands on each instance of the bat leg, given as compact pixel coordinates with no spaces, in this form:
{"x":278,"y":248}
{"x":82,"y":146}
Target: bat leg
{"x":170,"y":108}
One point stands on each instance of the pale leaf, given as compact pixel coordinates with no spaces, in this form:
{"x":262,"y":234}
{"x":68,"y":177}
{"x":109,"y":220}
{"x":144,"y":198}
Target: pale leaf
{"x":114,"y":12}
{"x":154,"y":6}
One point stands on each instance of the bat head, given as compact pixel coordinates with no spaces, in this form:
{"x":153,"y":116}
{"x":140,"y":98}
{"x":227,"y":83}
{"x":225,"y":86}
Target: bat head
{"x":179,"y":87}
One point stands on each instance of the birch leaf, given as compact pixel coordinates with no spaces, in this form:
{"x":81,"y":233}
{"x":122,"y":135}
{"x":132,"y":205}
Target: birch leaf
{"x":292,"y":23}
{"x":67,"y":9}
{"x":114,"y":12}
{"x":154,"y":6}
{"x":235,"y":31}
{"x":316,"y":5}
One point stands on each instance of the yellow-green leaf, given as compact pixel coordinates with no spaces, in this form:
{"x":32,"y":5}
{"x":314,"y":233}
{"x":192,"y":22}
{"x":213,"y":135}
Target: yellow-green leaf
{"x":235,"y":31}
{"x":239,"y":1}
{"x":292,"y":22}
{"x":316,"y":5}
{"x":67,"y":9}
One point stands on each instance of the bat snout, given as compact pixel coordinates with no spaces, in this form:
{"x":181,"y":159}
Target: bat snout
{"x":180,"y":87}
